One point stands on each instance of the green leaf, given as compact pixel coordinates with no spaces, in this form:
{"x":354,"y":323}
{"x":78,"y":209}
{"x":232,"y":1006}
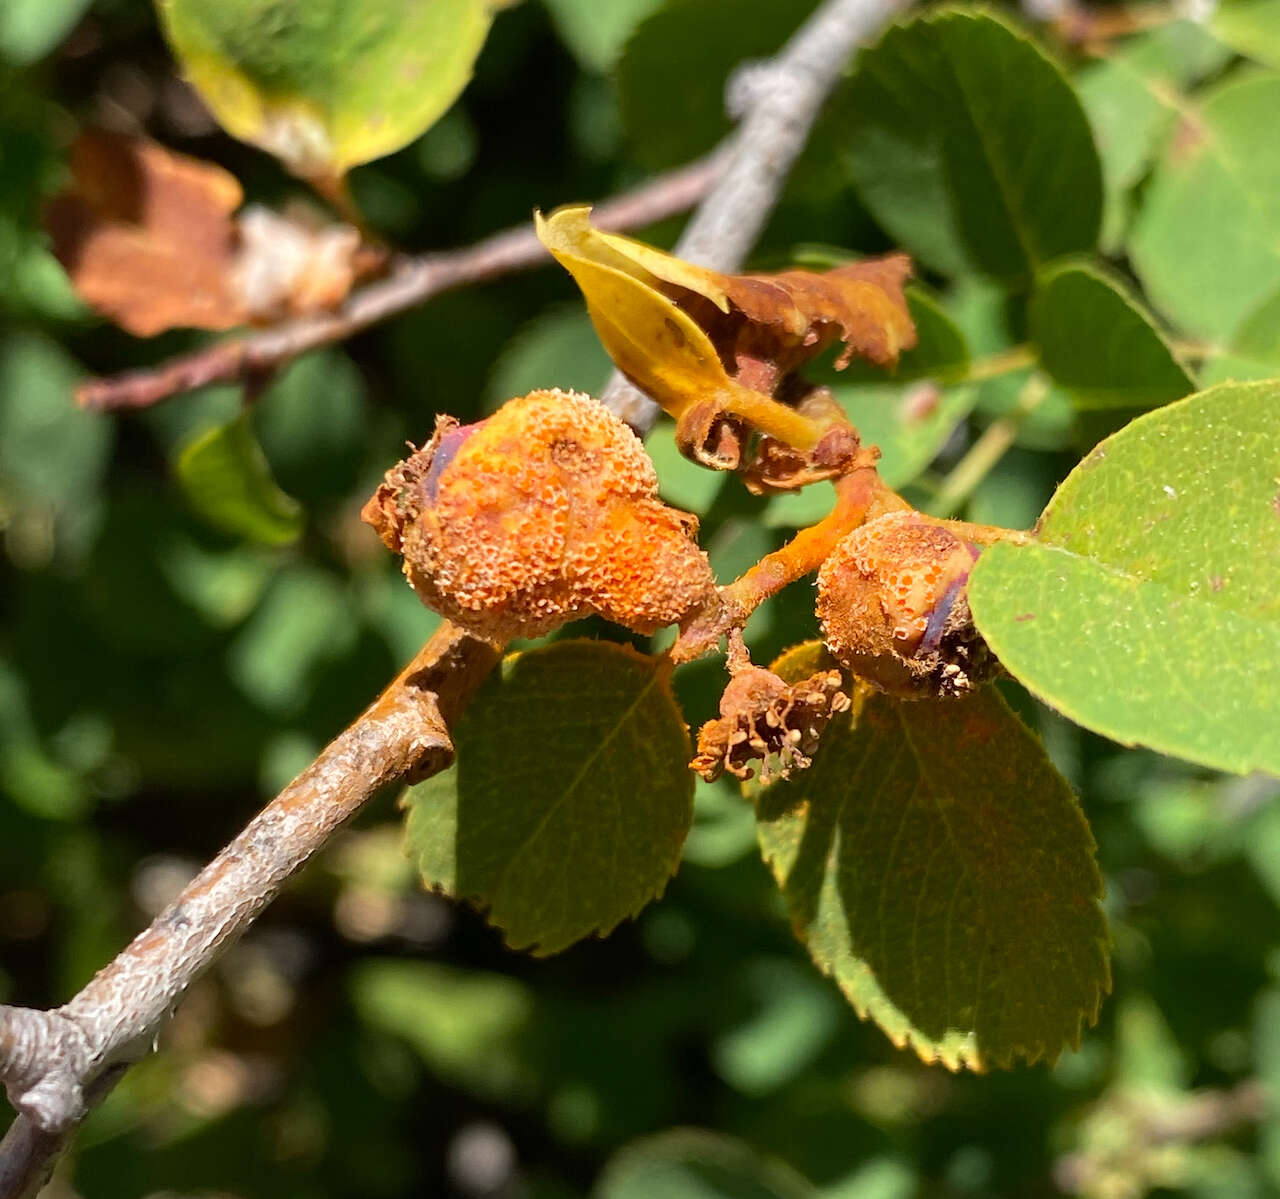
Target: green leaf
{"x":225,"y":476}
{"x":794,"y":1018}
{"x":1132,"y":96}
{"x":1206,"y":244}
{"x":1254,"y":352}
{"x":1258,"y":339}
{"x":312,"y":422}
{"x":305,"y":620}
{"x":993,"y":327}
{"x":689,"y":1163}
{"x":558,"y":348}
{"x":570,"y":800}
{"x":1150,"y":609}
{"x":51,"y":453}
{"x":595,"y":33}
{"x":910,"y":425}
{"x":1250,"y":27}
{"x":687,"y":49}
{"x":1015,"y":495}
{"x":327,"y":84}
{"x":1099,"y":343}
{"x":29,"y":29}
{"x":939,"y":868}
{"x":471,"y":1028}
{"x":948,"y":147}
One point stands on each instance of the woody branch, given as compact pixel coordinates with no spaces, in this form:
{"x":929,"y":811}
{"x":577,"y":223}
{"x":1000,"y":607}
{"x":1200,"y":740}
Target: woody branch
{"x":57,"y":1065}
{"x":411,"y":281}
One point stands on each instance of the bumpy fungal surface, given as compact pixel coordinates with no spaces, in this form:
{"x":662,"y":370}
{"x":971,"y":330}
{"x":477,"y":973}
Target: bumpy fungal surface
{"x":891,"y":600}
{"x":543,"y":513}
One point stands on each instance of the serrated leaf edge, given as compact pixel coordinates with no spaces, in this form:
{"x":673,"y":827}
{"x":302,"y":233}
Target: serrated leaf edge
{"x":966,"y":1054}
{"x":661,"y":676}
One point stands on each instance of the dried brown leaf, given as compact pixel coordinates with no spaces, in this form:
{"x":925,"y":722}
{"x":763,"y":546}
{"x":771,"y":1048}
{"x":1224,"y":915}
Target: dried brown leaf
{"x":150,"y":239}
{"x":766,"y":721}
{"x":146,"y":235}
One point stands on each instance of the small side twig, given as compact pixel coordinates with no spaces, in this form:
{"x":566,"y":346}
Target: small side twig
{"x":56,"y":1065}
{"x":786,"y":97}
{"x":410,"y":282}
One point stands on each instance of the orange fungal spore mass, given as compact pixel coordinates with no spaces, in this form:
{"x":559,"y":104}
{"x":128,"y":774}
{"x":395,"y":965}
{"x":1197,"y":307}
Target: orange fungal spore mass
{"x":543,"y":513}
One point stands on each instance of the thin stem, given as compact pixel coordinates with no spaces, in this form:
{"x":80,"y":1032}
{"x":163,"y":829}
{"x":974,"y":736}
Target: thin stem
{"x":809,"y":548}
{"x":335,"y":190}
{"x":858,"y":494}
{"x":1006,"y":362}
{"x":410,"y":282}
{"x":990,"y":447}
{"x":1195,"y":351}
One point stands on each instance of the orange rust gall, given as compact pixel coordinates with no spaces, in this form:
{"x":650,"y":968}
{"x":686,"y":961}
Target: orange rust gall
{"x":892,"y":603}
{"x":543,"y":513}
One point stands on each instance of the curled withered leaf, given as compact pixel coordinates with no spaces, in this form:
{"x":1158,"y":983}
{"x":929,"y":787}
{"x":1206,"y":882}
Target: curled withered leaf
{"x":768,"y":721}
{"x":718,"y":351}
{"x":150,"y":239}
{"x":146,"y":235}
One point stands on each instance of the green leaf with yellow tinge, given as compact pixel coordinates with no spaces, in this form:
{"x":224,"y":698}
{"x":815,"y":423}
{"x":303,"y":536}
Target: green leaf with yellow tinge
{"x":327,"y":84}
{"x":639,"y":299}
{"x":649,"y":338}
{"x":227,"y":479}
{"x":939,"y":869}
{"x":571,"y":797}
{"x":1149,"y":609}
{"x":1250,"y":27}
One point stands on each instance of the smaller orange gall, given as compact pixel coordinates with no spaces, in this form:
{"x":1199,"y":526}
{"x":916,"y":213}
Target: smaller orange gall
{"x":893,"y":608}
{"x":543,"y":513}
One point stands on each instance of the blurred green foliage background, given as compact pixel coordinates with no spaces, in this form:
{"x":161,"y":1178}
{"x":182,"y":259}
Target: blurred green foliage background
{"x":159,"y":681}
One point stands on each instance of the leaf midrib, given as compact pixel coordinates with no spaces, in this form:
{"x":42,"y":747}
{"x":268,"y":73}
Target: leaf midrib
{"x":586,"y":765}
{"x":1002,"y":185}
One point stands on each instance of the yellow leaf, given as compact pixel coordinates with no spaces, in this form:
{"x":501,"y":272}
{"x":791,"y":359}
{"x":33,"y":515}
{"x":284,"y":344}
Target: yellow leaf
{"x":327,"y":84}
{"x":650,"y":339}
